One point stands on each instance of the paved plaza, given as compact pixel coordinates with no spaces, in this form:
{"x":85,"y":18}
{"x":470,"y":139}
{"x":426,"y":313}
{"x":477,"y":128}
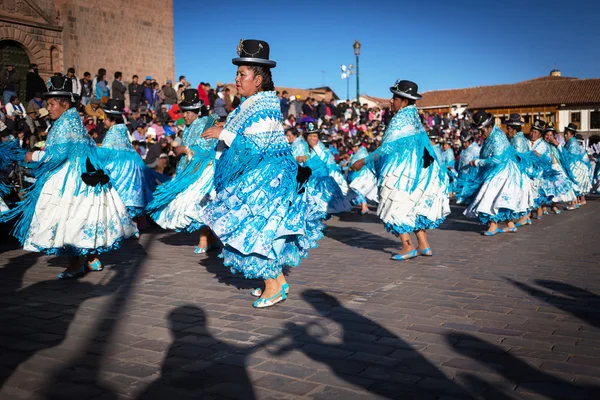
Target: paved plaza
{"x":515,"y":316}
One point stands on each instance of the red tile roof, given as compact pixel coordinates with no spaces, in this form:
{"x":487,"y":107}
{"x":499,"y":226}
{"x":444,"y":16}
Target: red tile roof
{"x":544,"y":91}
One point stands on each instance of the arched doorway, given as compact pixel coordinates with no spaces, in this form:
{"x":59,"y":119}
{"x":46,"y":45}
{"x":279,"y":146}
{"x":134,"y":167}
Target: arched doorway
{"x":13,"y":52}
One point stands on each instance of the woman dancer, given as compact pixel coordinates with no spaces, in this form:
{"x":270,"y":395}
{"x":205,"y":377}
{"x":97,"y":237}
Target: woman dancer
{"x":79,"y":212}
{"x":448,"y":162}
{"x":413,"y":188}
{"x":577,"y":164}
{"x":10,"y":152}
{"x":323,"y":188}
{"x":563,"y":189}
{"x":258,"y":213}
{"x":503,"y":192}
{"x":467,"y":173}
{"x":363,"y":182}
{"x":128,"y":172}
{"x":178,"y":204}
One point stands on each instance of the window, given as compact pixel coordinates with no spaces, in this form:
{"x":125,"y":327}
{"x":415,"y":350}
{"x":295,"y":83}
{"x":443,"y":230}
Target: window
{"x":595,"y":119}
{"x":576,"y":118}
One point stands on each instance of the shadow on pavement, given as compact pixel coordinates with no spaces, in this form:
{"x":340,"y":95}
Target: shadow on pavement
{"x":528,"y":378}
{"x":361,"y":239}
{"x":214,"y":264}
{"x":84,"y":368}
{"x":396,"y":369}
{"x":581,"y":303}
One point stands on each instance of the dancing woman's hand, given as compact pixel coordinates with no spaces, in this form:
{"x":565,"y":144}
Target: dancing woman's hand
{"x":212,"y":132}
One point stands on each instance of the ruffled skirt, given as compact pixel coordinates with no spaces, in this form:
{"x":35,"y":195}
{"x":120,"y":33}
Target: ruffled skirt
{"x":131,"y":180}
{"x":505,"y":195}
{"x":405,"y":211}
{"x":325,"y":196}
{"x":364,"y":183}
{"x":79,"y":219}
{"x":582,"y":176}
{"x":555,"y":189}
{"x":184,"y":212}
{"x":258,"y":215}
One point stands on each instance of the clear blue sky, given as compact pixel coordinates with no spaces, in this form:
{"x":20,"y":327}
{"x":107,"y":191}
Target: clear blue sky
{"x":438,"y":44}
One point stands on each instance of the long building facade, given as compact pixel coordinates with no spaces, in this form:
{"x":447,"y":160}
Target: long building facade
{"x":88,"y":35}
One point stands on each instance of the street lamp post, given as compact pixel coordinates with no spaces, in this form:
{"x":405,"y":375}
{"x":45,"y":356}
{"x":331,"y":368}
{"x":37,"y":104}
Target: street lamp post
{"x":346,"y":73}
{"x":356,"y":47}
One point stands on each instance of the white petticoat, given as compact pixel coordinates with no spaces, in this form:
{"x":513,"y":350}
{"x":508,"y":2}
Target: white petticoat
{"x":582,"y":175}
{"x":81,"y":223}
{"x":184,"y":212}
{"x":365,"y":184}
{"x":509,"y":189}
{"x":399,"y":207}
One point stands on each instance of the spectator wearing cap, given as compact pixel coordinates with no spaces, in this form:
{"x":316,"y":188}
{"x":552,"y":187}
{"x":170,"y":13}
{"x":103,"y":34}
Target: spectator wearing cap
{"x":87,"y":89}
{"x":10,"y":79}
{"x":94,"y":112}
{"x":136,"y":94}
{"x":149,"y":93}
{"x":34,"y":83}
{"x":118,"y":88}
{"x":170,"y":95}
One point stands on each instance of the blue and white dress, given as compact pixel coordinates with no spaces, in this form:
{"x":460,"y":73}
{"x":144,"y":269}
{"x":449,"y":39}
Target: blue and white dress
{"x":363,"y":182}
{"x":10,"y":152}
{"x":299,"y":148}
{"x":467,"y":173}
{"x":322,"y":186}
{"x":578,"y":166}
{"x":554,"y":186}
{"x":413,"y":188}
{"x":447,"y":160}
{"x":128,"y":172}
{"x":62,"y":214}
{"x":530,"y":164}
{"x":258,"y":212}
{"x":179,"y":203}
{"x":505,"y":192}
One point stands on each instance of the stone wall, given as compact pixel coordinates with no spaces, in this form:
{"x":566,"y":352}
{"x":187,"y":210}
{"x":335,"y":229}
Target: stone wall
{"x":112,"y":34}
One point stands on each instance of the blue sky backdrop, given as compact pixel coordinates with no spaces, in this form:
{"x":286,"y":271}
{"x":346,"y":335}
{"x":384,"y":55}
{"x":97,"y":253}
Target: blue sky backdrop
{"x":438,"y":44}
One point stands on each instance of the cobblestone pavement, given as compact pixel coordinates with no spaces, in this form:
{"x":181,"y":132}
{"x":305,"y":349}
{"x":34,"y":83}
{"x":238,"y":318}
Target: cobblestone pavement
{"x":515,"y":316}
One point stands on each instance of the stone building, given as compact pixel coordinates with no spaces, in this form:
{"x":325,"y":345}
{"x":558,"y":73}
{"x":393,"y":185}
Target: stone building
{"x":87,"y":35}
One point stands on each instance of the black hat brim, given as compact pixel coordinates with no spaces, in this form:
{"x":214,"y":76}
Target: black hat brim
{"x":113,"y":112}
{"x":567,"y":128}
{"x":513,"y":123}
{"x":191,"y":107}
{"x":484,"y":123}
{"x":48,"y":95}
{"x":261,"y":62}
{"x":406,"y":95}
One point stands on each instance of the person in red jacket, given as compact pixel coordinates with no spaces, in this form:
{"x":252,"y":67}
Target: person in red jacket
{"x":203,"y":92}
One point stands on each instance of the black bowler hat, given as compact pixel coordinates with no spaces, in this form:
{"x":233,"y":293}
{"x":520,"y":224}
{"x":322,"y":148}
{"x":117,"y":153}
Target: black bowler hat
{"x":114,"y":107}
{"x":538,"y":125}
{"x":190,"y":100}
{"x":571,"y":127}
{"x":311,"y":128}
{"x":253,"y":52}
{"x":406,"y":89}
{"x":481,"y":119}
{"x":466,"y":135}
{"x":324,"y":138}
{"x":550,"y":127}
{"x":514,"y":120}
{"x":60,"y":86}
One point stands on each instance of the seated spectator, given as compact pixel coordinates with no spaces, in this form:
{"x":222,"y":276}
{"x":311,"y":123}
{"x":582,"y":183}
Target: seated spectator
{"x":94,"y":111}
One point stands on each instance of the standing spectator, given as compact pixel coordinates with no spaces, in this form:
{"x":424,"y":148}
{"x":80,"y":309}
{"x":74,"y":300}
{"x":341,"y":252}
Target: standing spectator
{"x":76,"y":84}
{"x":285,"y":104}
{"x":102,"y":72}
{"x":34,"y":83}
{"x":180,"y":90}
{"x":118,"y":88}
{"x":212,"y":97}
{"x":292,"y":110}
{"x":202,"y":92}
{"x":102,"y":90}
{"x":220,"y":106}
{"x":181,"y":83}
{"x":86,"y":89}
{"x":10,"y":81}
{"x":227,"y":97}
{"x":170,"y":94}
{"x":149,"y":93}
{"x":136,"y":94}
{"x":158,"y":95}
{"x":321,"y":109}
